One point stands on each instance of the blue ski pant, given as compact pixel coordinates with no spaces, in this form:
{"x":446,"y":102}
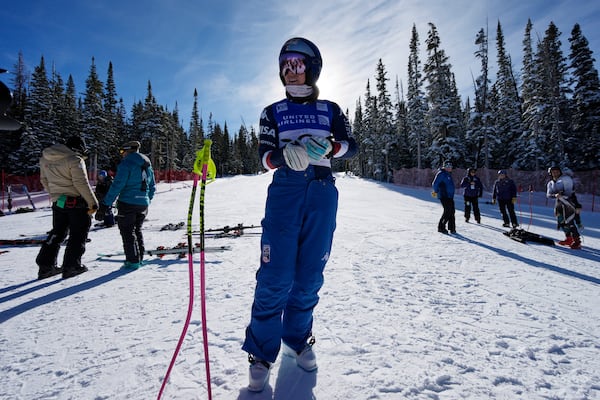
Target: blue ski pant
{"x":296,"y":241}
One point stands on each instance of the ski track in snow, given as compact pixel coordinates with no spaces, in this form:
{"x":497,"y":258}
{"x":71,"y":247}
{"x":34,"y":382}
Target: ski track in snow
{"x":405,"y":312}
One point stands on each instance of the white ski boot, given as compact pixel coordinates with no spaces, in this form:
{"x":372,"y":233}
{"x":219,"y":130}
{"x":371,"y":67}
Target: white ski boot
{"x":259,"y":372}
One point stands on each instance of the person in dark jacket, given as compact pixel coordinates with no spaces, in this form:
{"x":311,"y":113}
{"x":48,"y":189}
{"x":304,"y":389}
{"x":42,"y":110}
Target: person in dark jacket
{"x":64,"y":176}
{"x":443,"y":189}
{"x":473,"y":190}
{"x":134,"y":187}
{"x":299,"y":135}
{"x":102,"y":187}
{"x":505,"y":192}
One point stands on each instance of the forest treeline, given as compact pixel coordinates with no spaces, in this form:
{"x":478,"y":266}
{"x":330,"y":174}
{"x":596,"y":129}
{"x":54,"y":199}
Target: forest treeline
{"x":547,"y":112}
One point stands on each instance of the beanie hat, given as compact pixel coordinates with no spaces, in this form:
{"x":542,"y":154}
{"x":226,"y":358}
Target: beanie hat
{"x":447,"y":164}
{"x":554,"y":167}
{"x":77,"y":144}
{"x":132,"y":145}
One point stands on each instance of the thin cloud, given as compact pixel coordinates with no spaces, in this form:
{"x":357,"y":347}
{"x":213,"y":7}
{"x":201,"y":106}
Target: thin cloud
{"x":228,"y":50}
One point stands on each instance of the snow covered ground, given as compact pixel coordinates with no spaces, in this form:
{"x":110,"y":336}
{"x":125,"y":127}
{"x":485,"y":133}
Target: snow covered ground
{"x":405,"y":312}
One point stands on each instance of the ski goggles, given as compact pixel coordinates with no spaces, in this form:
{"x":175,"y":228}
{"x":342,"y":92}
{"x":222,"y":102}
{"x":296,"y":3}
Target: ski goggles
{"x":294,"y":63}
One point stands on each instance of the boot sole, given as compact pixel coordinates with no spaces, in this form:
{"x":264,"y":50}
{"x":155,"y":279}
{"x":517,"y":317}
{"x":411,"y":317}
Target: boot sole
{"x":49,"y":275}
{"x":74,"y":273}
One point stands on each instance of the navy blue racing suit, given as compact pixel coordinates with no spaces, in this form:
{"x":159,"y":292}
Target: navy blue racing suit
{"x":298,"y":226}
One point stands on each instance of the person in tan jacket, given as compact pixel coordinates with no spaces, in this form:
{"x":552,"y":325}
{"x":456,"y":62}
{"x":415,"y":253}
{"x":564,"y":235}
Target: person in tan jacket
{"x":63,"y":174}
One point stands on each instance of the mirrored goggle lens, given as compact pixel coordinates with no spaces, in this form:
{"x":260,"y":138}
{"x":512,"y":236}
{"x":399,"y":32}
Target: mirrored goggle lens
{"x":292,"y":62}
{"x":299,"y":46}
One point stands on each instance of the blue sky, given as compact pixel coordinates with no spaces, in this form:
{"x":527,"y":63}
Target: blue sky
{"x":228,"y":50}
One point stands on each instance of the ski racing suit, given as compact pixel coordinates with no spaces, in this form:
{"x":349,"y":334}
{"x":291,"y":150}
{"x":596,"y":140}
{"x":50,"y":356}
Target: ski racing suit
{"x":298,"y":226}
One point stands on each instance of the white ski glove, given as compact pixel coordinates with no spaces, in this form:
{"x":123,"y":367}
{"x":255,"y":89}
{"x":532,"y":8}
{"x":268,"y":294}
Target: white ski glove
{"x":317,"y":147}
{"x":295,"y":156}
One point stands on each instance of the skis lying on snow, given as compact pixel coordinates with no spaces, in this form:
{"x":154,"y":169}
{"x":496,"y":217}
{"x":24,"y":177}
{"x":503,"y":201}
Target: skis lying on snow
{"x":235,"y":228}
{"x":179,"y":249}
{"x":33,"y":241}
{"x":231,"y":231}
{"x":522,"y":236}
{"x":173,"y":227}
{"x":101,"y":225}
{"x":21,"y":242}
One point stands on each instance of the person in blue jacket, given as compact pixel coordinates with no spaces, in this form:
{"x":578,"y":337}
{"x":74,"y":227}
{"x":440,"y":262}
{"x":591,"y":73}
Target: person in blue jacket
{"x":505,"y":192}
{"x":443,"y":189}
{"x":134,"y":187}
{"x":299,"y":136}
{"x":473,"y":190}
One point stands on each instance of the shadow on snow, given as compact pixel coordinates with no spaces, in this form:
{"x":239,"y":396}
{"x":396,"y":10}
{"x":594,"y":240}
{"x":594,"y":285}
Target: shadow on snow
{"x":50,"y":297}
{"x":293,"y":383}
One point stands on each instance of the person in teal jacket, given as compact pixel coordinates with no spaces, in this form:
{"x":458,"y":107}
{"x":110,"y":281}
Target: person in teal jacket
{"x":133,"y":188}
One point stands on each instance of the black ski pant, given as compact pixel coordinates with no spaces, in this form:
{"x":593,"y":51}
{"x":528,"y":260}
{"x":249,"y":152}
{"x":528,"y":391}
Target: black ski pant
{"x":507,"y":209}
{"x":447,"y":215}
{"x":566,"y":217}
{"x":130,"y":219}
{"x":472,"y":202}
{"x":573,"y":200}
{"x":74,"y":222}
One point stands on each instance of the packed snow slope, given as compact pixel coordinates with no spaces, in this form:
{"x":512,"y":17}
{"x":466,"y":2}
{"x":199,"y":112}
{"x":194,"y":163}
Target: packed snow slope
{"x":405,"y":312}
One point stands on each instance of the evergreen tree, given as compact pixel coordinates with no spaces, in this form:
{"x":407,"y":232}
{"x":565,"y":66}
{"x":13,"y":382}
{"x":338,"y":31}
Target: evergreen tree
{"x":418,"y":134}
{"x":254,"y":162}
{"x":480,"y":133}
{"x":135,"y":130}
{"x":152,"y":135}
{"x":94,"y":119}
{"x":170,"y":140}
{"x":220,"y":146}
{"x":554,"y":106}
{"x":114,"y":121}
{"x":385,"y":133}
{"x":360,"y":162}
{"x":39,"y":132}
{"x":369,"y":138}
{"x":196,"y":133}
{"x":239,"y":151}
{"x":58,"y":106}
{"x":71,"y":120}
{"x":529,"y":145}
{"x":179,"y":143}
{"x":10,"y":140}
{"x":19,"y":90}
{"x":399,"y":153}
{"x":583,"y":146}
{"x":444,"y":114}
{"x":506,"y":111}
